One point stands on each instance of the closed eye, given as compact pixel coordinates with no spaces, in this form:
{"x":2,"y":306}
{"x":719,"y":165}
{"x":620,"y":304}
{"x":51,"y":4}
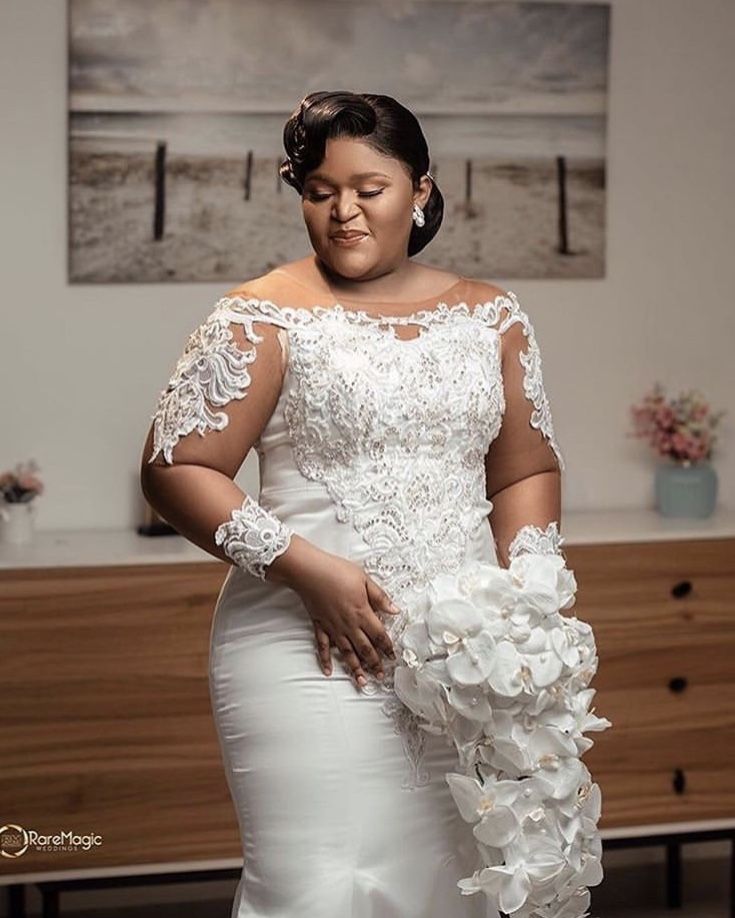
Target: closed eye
{"x":362,"y":194}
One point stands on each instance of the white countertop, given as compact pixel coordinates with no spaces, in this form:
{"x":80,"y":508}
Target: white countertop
{"x":90,"y":547}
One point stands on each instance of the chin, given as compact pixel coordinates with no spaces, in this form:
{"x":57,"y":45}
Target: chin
{"x":349,"y":262}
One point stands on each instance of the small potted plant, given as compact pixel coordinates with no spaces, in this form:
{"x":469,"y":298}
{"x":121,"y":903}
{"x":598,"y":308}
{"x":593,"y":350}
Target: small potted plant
{"x":18,"y":489}
{"x":682,"y":431}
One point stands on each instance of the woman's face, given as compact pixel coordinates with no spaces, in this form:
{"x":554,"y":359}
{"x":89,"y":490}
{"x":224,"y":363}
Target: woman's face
{"x":339,"y":197}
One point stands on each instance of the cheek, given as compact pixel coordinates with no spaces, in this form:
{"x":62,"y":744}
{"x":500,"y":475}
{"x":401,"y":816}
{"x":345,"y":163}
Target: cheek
{"x":383,"y":215}
{"x":313,"y":216}
{"x":389,"y":215}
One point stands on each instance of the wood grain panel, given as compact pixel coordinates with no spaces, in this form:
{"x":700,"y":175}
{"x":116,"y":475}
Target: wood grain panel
{"x":107,"y":723}
{"x":663,"y":615}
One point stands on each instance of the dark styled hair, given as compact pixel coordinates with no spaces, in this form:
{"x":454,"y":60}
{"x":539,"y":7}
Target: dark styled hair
{"x":386,"y":126}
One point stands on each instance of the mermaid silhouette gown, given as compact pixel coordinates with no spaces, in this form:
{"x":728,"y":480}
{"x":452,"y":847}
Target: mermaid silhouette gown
{"x":380,"y":440}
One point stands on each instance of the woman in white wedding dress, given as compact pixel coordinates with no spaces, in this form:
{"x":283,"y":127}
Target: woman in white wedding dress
{"x":402,"y":428}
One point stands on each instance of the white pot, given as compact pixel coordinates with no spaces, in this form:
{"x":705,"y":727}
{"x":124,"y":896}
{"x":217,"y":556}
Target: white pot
{"x":17,"y":522}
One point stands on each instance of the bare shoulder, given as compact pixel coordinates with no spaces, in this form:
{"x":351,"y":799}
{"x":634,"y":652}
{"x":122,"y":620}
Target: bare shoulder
{"x":473,"y":288}
{"x":483,"y":290}
{"x":264,"y":286}
{"x":253,"y":286}
{"x":433,"y":275}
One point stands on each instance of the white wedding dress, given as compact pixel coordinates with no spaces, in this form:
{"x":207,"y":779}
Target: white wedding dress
{"x":380,"y":445}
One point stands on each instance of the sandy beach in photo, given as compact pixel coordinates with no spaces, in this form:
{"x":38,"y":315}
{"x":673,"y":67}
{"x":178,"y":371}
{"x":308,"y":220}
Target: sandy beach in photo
{"x":212,"y":233}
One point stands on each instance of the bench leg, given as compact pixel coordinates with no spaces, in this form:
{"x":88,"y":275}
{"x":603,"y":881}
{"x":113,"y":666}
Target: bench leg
{"x":673,"y":874}
{"x":16,"y":901}
{"x":49,"y":902}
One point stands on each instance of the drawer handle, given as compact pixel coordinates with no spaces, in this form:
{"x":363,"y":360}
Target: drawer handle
{"x":678,"y":683}
{"x":679,"y":781}
{"x":681,"y":589}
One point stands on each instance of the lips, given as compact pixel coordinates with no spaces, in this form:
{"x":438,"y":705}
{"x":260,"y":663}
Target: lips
{"x":350,"y":235}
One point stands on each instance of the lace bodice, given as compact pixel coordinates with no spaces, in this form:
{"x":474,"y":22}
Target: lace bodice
{"x":396,"y":429}
{"x":410,"y":437}
{"x":397,"y":438}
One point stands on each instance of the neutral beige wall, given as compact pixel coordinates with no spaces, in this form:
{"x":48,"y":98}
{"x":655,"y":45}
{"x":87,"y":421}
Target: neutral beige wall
{"x":81,"y":366}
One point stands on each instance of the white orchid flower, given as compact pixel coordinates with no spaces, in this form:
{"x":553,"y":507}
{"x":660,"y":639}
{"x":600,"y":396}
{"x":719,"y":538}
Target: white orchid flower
{"x":577,"y":718}
{"x":424,"y":697}
{"x":541,"y":657}
{"x":509,"y":885}
{"x":456,"y":625}
{"x":472,"y":702}
{"x":489,"y":807}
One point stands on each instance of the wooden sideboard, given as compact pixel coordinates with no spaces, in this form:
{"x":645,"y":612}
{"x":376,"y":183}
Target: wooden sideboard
{"x":106,"y":718}
{"x":663,"y":615}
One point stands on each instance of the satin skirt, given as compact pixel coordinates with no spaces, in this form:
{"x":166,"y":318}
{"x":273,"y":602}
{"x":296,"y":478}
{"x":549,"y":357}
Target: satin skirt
{"x":315,"y":770}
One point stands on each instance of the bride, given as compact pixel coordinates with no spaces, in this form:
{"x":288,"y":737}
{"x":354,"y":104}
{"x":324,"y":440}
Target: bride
{"x":406,"y":451}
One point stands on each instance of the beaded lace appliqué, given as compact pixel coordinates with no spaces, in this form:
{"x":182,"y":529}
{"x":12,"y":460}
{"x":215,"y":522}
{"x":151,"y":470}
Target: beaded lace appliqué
{"x":539,"y":541}
{"x":253,"y":537}
{"x":398,"y":443}
{"x":533,"y":383}
{"x":212,"y":370}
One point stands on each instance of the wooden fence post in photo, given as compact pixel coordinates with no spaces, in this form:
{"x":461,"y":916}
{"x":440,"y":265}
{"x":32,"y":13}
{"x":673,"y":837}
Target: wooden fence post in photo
{"x":469,"y":208}
{"x":159,"y":207}
{"x":248,"y":173}
{"x":561,"y":181}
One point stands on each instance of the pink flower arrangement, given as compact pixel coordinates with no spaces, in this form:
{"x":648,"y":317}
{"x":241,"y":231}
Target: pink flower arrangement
{"x":22,"y":484}
{"x":681,"y":428}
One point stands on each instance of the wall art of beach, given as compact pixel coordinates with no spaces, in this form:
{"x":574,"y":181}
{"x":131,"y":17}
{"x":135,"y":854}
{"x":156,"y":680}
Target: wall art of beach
{"x":174,"y":149}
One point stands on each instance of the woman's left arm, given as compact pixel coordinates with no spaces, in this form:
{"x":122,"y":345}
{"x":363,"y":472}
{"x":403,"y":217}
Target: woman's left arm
{"x":524,"y":465}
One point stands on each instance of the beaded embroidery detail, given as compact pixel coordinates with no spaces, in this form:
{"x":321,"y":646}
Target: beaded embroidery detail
{"x":539,"y":541}
{"x":253,"y":537}
{"x":212,"y":370}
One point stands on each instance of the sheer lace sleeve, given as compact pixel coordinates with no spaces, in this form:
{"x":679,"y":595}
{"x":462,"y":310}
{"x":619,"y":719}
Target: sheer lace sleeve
{"x":213,"y":409}
{"x":526,"y":499}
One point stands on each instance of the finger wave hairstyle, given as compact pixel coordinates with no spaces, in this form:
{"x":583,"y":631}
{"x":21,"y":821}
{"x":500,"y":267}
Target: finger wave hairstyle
{"x":384,"y":124}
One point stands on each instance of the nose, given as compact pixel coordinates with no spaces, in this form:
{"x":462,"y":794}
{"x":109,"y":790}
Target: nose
{"x":344,"y":207}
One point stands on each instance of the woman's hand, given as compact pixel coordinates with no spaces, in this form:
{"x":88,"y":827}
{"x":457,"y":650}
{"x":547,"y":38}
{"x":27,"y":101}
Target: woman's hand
{"x":342,"y":601}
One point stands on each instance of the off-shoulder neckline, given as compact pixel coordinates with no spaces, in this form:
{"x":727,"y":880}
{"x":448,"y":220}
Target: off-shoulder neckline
{"x":461,"y":279}
{"x":419,"y":316}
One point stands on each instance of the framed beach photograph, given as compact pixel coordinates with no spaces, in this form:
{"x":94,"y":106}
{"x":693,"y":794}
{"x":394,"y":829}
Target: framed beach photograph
{"x":176,"y":110}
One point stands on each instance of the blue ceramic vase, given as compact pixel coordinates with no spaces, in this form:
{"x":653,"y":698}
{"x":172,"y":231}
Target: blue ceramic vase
{"x":686,"y":489}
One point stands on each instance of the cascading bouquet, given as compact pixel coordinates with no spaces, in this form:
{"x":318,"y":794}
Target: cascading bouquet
{"x":488,"y":660}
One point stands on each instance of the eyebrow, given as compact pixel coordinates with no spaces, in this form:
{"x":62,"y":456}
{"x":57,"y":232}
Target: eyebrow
{"x":324,"y":178}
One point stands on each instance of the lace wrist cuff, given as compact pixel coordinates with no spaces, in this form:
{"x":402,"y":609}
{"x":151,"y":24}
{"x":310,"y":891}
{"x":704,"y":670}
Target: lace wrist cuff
{"x":253,"y":537}
{"x":539,"y":541}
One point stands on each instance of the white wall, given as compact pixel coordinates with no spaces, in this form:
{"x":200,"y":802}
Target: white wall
{"x":81,"y":366}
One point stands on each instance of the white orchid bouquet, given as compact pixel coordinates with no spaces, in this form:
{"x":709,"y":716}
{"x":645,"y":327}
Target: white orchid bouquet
{"x":489,"y":661}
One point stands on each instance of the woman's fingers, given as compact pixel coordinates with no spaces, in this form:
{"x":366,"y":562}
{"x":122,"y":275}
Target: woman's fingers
{"x":323,"y":644}
{"x":367,"y":652}
{"x":351,"y":659}
{"x":365,"y":637}
{"x":379,"y":599}
{"x":378,"y":636}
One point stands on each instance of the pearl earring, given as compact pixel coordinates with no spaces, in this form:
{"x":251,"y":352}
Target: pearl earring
{"x":418,"y":215}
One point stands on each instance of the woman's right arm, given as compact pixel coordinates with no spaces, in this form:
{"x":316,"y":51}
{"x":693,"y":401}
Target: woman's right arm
{"x":212,"y":412}
{"x":222,"y":393}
